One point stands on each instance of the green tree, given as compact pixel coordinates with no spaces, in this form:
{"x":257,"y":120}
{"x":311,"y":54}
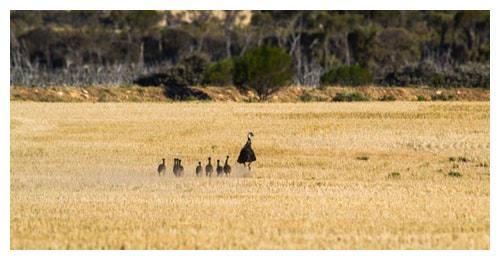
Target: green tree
{"x":263,"y":69}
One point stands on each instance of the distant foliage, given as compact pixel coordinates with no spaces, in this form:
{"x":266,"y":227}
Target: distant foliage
{"x":219,"y":73}
{"x":264,"y":69}
{"x":347,"y":76}
{"x":189,"y":71}
{"x":351,"y":48}
{"x":430,"y":74}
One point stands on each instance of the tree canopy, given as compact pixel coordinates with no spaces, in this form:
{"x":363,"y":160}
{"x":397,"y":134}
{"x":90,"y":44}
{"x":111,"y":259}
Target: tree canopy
{"x":386,"y":43}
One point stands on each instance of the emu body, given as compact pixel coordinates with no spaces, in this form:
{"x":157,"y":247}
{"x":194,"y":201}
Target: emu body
{"x":162,"y":168}
{"x":247,"y":155}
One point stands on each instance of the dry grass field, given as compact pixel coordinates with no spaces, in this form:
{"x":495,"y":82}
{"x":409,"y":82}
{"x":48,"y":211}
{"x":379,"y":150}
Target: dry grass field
{"x":370,"y":175}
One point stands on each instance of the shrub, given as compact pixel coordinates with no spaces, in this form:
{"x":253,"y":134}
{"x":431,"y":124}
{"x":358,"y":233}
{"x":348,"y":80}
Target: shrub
{"x":362,"y":158}
{"x":420,"y":98}
{"x":219,"y":73}
{"x":454,"y":174}
{"x":194,"y":66}
{"x":350,"y":97}
{"x":387,"y":98}
{"x":263,"y":69}
{"x":354,"y":75}
{"x":306,"y":97}
{"x":394,"y":175}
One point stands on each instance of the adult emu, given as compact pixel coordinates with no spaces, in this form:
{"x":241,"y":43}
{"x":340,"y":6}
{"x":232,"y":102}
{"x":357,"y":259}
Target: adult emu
{"x":176,"y":167}
{"x":247,"y":154}
{"x":181,"y":168}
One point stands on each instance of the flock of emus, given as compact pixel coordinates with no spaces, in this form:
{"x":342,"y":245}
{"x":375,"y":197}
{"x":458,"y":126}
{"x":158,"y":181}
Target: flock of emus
{"x":247,"y":156}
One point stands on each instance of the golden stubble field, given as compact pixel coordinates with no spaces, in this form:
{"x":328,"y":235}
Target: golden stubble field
{"x":83,"y":176}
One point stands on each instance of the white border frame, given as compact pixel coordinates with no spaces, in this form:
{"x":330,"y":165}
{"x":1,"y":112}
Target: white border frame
{"x":8,"y":5}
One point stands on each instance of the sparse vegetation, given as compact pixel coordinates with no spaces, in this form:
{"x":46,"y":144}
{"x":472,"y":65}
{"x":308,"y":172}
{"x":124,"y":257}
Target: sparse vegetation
{"x":458,"y":159}
{"x":307,"y":97}
{"x":454,"y":174}
{"x":442,"y":97}
{"x":350,"y":97}
{"x":387,"y":98}
{"x":394,"y":175}
{"x":363,"y":158}
{"x":483,"y":164}
{"x":463,"y":159}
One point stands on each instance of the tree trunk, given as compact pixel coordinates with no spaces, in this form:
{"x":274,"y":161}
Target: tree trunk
{"x":228,"y":46}
{"x":347,"y":51}
{"x":141,"y":55}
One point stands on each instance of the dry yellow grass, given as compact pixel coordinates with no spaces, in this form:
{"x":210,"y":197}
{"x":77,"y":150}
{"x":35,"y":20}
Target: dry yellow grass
{"x":83,"y":176}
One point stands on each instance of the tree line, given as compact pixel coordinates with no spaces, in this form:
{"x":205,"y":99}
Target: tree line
{"x":394,"y":48}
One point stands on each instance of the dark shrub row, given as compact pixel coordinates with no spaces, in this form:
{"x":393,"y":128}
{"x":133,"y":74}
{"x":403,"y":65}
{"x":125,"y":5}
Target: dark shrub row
{"x":426,"y":73}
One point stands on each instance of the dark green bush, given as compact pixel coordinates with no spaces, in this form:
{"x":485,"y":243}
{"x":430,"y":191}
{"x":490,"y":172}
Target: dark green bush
{"x":427,"y":73}
{"x":420,"y":98}
{"x":454,"y":174}
{"x":219,"y":73}
{"x":350,"y":97}
{"x":394,"y":175}
{"x":263,"y":69}
{"x":354,"y":75}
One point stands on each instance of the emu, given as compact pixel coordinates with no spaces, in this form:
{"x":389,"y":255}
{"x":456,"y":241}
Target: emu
{"x":162,"y":168}
{"x":219,"y":169}
{"x":247,"y":154}
{"x":199,"y":169}
{"x":181,"y":168}
{"x":227,"y":167}
{"x":209,"y":168}
{"x":176,"y":167}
